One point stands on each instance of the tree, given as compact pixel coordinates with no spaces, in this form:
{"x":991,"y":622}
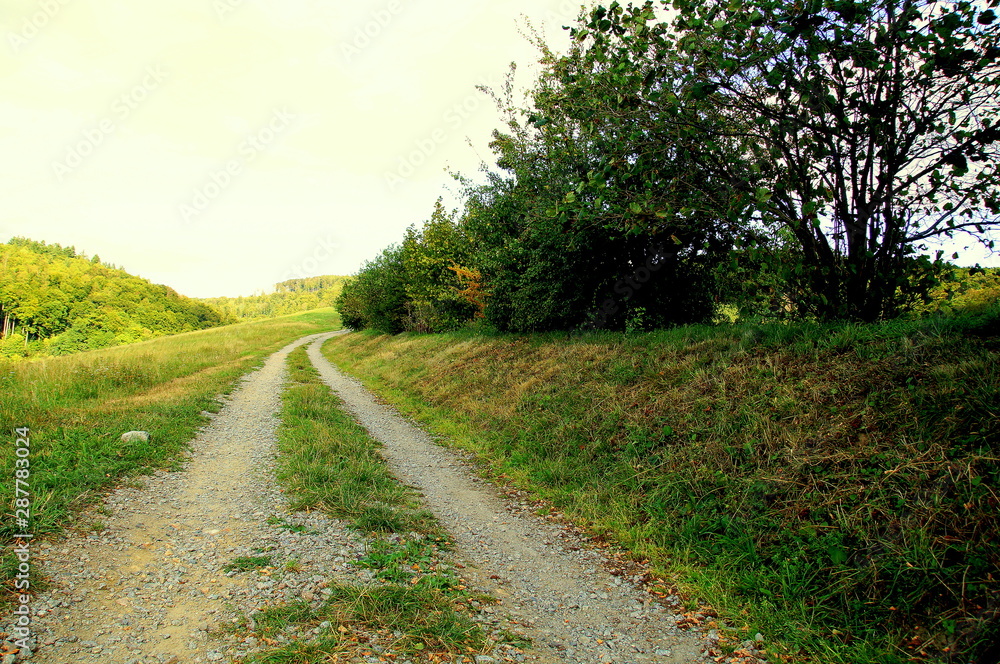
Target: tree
{"x":432,"y":288}
{"x":569,"y":236}
{"x":375,"y":298}
{"x":865,"y":128}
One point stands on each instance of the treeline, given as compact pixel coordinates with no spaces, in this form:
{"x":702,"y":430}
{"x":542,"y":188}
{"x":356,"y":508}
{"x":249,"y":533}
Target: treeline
{"x":290,"y":297}
{"x":661,"y":172}
{"x":55,"y":301}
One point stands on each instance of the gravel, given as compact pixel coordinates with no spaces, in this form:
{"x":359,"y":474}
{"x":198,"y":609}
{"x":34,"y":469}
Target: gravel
{"x":148,"y":586}
{"x":559,"y":592}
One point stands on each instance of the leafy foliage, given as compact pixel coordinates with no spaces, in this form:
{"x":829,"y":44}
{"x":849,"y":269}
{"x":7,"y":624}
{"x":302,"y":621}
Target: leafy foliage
{"x":56,"y":301}
{"x":863,"y":128}
{"x":432,"y":287}
{"x":415,"y":285}
{"x":375,"y":299}
{"x":786,"y":159}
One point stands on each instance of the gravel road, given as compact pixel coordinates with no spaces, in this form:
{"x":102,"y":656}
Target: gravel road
{"x":148,"y":586}
{"x":571,"y":607}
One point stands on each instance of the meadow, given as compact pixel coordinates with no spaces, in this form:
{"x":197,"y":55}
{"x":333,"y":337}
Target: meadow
{"x":77,"y":406}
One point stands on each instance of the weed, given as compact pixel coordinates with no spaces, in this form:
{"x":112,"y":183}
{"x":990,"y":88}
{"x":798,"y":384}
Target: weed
{"x":291,"y":527}
{"x":247,"y":563}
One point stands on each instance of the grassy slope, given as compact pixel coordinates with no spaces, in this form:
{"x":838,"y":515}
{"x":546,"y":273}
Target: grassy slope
{"x":77,"y":407}
{"x":832,"y":487}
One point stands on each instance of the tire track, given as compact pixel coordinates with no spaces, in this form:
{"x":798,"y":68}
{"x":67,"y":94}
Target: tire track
{"x":573,"y":609}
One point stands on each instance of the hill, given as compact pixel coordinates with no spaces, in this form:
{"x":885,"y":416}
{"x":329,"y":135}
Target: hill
{"x":290,"y":297}
{"x":55,"y":301}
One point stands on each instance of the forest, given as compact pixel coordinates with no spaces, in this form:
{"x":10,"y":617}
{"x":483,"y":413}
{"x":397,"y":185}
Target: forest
{"x":759,"y":159}
{"x":55,"y":301}
{"x":289,"y":297}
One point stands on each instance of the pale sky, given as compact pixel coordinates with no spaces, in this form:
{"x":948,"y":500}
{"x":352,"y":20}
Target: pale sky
{"x":221,"y":146}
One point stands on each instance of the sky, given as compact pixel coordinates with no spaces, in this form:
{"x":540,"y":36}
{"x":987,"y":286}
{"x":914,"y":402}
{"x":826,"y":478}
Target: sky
{"x":222,"y":146}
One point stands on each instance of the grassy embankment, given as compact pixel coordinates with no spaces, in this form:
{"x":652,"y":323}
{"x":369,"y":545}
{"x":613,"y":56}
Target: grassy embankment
{"x":77,"y":407}
{"x":833,"y":487}
{"x":415,"y":605}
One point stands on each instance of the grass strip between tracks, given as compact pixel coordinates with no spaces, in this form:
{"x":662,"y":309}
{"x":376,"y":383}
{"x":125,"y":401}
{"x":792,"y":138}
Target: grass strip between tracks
{"x":416,"y":605}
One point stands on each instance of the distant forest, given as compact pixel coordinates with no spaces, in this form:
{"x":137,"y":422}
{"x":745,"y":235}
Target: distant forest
{"x":290,"y":297}
{"x":55,"y":300}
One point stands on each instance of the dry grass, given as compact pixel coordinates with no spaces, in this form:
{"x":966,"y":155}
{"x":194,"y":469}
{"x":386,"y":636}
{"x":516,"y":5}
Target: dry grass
{"x":838,"y":484}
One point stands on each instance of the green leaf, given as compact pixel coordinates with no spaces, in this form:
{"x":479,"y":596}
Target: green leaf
{"x":837,"y":555}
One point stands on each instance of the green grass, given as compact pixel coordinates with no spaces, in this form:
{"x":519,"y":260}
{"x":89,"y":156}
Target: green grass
{"x":247,"y":563}
{"x":330,"y":463}
{"x":77,"y":406}
{"x":834,"y":487}
{"x":415,"y":605}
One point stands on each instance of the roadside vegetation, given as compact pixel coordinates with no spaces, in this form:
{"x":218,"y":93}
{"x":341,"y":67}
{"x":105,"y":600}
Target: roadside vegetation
{"x":77,"y":407}
{"x":415,"y":604}
{"x":832,"y":486}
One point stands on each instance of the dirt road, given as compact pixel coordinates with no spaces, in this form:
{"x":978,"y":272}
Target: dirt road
{"x":148,"y":585}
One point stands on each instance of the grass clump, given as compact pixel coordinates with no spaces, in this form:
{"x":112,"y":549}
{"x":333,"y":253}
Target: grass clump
{"x":834,"y":487}
{"x":329,"y":462}
{"x":247,"y":563}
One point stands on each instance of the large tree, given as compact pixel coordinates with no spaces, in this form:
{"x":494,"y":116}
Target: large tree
{"x":857,"y":131}
{"x":574,"y":232}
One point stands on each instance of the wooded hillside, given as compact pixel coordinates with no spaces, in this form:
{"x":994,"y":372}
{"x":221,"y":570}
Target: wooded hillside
{"x":54,"y":300}
{"x":290,"y":297}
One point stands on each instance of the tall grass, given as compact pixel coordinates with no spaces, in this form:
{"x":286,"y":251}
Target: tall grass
{"x":834,"y":487}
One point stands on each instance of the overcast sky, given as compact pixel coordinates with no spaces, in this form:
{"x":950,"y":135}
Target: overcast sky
{"x":221,"y":146}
